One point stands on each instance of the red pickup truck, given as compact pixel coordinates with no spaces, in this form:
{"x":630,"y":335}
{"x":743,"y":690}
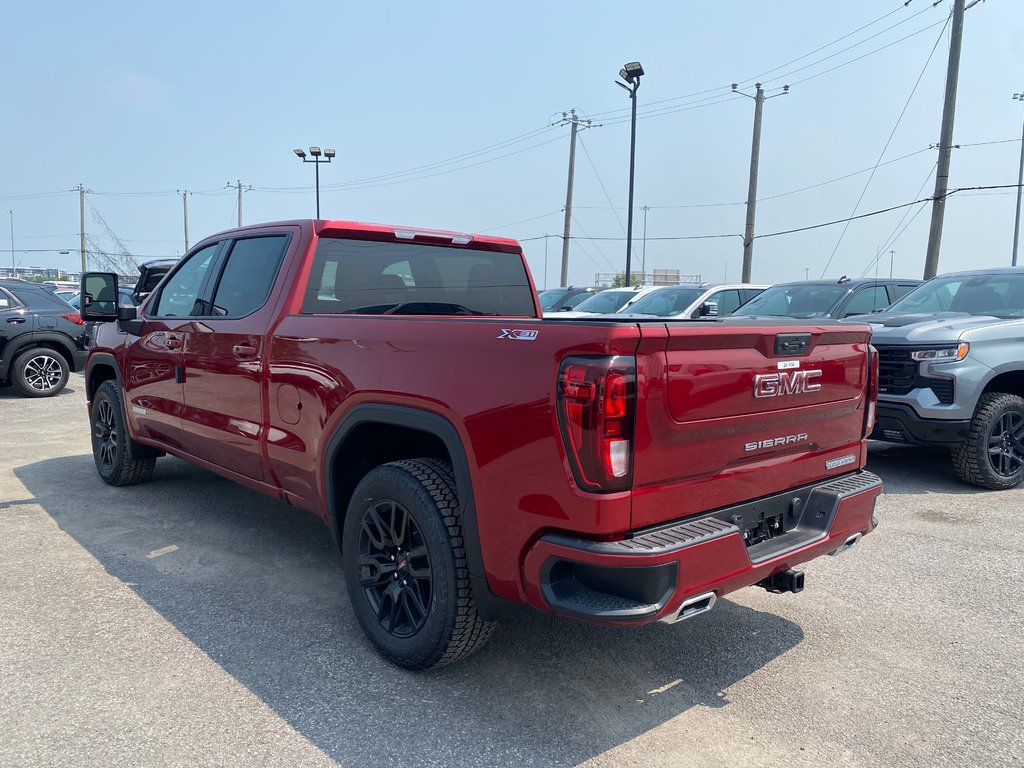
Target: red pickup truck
{"x":468,"y":455}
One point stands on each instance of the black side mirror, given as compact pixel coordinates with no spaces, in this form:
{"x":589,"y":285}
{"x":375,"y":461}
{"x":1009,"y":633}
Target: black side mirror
{"x":708,"y":309}
{"x":99,"y":297}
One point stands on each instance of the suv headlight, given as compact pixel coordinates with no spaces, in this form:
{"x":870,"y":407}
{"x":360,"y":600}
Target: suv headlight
{"x":944,"y":355}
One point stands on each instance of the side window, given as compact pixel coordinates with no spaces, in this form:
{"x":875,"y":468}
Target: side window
{"x":249,"y":275}
{"x":6,"y":300}
{"x":579,"y":298}
{"x":867,"y":300}
{"x":728,"y":302}
{"x":899,"y":291}
{"x":180,"y":295}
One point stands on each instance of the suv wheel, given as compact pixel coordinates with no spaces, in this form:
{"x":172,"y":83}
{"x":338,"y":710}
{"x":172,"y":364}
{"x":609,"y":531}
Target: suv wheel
{"x":992,"y":455}
{"x":405,"y":565}
{"x":111,"y":444}
{"x":40,"y":372}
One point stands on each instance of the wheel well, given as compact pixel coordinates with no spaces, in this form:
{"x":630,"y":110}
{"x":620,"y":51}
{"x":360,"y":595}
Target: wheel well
{"x":1012,"y":383}
{"x":97,"y":376}
{"x":55,"y":346}
{"x":371,"y":444}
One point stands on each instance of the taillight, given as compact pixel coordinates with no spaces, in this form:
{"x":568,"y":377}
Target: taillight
{"x":74,"y":317}
{"x":870,"y":411}
{"x":596,"y":399}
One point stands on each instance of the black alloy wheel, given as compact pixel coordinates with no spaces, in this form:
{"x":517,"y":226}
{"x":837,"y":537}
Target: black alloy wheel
{"x":105,"y":437}
{"x":1006,"y":444}
{"x":119,"y":459}
{"x":992,"y":454}
{"x":394,"y":568}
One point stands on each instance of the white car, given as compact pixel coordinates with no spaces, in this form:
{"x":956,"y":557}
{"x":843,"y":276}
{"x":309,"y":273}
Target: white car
{"x":684,"y":302}
{"x":606,"y":302}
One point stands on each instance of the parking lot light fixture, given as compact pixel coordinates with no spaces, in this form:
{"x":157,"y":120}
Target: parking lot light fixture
{"x":631,"y":73}
{"x":316,"y":157}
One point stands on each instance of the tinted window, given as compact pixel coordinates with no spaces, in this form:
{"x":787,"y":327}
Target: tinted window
{"x":374,"y":278}
{"x":36,"y":297}
{"x":605,"y":301}
{"x":728,"y":301}
{"x":6,"y":300}
{"x":1001,"y":295}
{"x":799,"y":301}
{"x":574,"y":301}
{"x":549,"y":298}
{"x":665,"y":301}
{"x":867,"y":300}
{"x":899,"y":291}
{"x":249,"y":275}
{"x":180,"y":295}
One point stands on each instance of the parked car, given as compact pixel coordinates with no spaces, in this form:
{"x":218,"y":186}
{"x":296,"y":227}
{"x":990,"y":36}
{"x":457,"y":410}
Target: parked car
{"x":125,"y":298}
{"x":606,"y":302}
{"x":564,"y":299}
{"x":42,"y":339}
{"x":693,"y":301}
{"x":470,"y":456}
{"x":951,"y":372}
{"x":819,"y":299}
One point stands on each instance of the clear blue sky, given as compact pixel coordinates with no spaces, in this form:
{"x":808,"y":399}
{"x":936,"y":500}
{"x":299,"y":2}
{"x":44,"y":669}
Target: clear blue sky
{"x":135,"y":98}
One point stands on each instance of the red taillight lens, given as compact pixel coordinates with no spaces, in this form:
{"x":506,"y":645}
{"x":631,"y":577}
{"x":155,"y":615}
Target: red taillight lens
{"x":74,"y":317}
{"x":871,"y":410}
{"x":595,"y":412}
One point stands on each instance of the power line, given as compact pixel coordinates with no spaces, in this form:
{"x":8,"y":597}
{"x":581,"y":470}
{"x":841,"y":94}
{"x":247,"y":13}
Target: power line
{"x":601,"y":183}
{"x":512,"y":224}
{"x":887,"y":142}
{"x":891,"y":239}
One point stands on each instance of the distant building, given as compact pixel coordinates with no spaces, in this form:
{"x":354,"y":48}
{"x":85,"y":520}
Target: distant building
{"x":47,"y":272}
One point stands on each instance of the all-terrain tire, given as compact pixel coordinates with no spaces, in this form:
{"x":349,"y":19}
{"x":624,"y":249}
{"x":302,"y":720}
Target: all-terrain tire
{"x":992,"y":455}
{"x":424,"y":491}
{"x":111,"y":444}
{"x":40,"y":372}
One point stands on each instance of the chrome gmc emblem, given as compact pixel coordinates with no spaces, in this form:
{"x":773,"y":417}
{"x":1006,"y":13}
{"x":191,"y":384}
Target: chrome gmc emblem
{"x":785,"y":383}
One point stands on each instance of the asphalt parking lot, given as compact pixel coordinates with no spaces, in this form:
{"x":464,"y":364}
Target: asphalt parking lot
{"x":192,"y":622}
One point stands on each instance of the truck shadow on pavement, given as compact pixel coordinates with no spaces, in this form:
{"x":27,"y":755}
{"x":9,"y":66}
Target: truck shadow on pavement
{"x":911,"y":469}
{"x":257,"y":586}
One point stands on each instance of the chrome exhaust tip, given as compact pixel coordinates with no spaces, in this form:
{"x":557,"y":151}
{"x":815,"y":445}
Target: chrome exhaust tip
{"x":693,"y":606}
{"x":847,"y":545}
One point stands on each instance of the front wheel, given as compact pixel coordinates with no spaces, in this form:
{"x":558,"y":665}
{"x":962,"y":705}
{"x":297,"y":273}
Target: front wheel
{"x":111,"y":443}
{"x":40,"y":372}
{"x":992,"y":455}
{"x":405,"y":567}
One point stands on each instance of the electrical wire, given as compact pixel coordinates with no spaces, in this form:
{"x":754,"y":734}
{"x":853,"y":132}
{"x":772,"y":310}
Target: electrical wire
{"x":892,"y":235}
{"x":888,"y":141}
{"x":514,"y":223}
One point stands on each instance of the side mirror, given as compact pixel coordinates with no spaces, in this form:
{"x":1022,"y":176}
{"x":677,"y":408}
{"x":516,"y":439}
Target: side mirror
{"x":708,"y":309}
{"x":99,"y":297}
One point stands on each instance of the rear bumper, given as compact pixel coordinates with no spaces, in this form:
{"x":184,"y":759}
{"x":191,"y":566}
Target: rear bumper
{"x":897,"y":423}
{"x":653,"y":574}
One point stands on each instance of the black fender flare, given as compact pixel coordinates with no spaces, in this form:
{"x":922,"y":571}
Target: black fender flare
{"x":28,"y":340}
{"x":97,"y":358}
{"x":488,"y":605}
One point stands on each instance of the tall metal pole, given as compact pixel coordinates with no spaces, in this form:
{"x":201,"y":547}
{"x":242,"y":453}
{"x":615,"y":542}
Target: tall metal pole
{"x":632,"y":166}
{"x":931,"y":261}
{"x":1020,"y":181}
{"x":545,"y":262}
{"x":574,"y":126}
{"x":14,"y":267}
{"x":643,"y":253}
{"x":755,"y":157}
{"x":892,"y":255}
{"x":81,"y":226}
{"x":184,"y":204}
{"x":316,"y":161}
{"x":239,"y":202}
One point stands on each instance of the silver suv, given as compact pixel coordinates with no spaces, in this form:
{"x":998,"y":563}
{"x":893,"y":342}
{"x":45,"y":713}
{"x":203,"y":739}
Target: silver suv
{"x":951,"y":372}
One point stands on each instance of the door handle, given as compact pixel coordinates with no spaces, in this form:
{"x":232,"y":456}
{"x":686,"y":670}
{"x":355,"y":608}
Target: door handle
{"x":173,"y":342}
{"x":244,"y":350}
{"x":15,"y":320}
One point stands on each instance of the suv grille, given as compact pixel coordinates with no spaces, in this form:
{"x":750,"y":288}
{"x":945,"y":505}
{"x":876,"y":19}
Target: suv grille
{"x":898,"y":375}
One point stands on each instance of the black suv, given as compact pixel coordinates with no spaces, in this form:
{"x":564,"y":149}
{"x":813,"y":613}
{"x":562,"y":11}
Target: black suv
{"x":564,"y":299}
{"x":817,"y":299}
{"x":42,"y":339}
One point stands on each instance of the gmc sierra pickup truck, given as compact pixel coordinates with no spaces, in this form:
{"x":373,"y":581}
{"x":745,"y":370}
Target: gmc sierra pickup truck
{"x":468,"y":455}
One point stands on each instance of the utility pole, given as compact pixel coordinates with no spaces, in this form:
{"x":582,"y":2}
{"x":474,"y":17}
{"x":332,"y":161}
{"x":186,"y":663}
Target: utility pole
{"x":643,"y":252}
{"x":807,"y":273}
{"x":14,"y":267}
{"x":892,"y":255}
{"x":755,"y":160}
{"x":81,"y":226}
{"x":240,"y":190}
{"x":184,"y":202}
{"x":568,"y":118}
{"x":931,"y":260}
{"x":1020,"y":182}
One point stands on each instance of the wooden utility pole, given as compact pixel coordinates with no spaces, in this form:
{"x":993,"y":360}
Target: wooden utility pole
{"x":81,"y":225}
{"x":184,"y":202}
{"x":931,"y":260}
{"x":573,"y":121}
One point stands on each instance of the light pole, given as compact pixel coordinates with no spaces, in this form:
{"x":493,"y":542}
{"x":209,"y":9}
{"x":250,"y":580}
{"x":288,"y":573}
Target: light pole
{"x":1020,"y":180}
{"x":755,"y":161}
{"x":316,"y":159}
{"x":14,"y":268}
{"x":631,"y":73}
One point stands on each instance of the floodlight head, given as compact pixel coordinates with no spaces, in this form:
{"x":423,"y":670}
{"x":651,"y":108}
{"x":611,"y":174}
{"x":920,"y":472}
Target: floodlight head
{"x":634,"y":70}
{"x":625,"y":75}
{"x":329,"y":153}
{"x":299,"y":152}
{"x":314,"y":151}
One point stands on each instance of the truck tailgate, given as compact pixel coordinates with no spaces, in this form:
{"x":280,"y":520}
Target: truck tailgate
{"x":736,"y":411}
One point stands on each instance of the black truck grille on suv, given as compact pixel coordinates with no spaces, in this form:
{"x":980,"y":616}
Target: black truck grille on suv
{"x":898,"y":375}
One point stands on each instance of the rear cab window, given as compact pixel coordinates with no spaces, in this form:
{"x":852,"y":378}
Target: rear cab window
{"x":382,"y":278}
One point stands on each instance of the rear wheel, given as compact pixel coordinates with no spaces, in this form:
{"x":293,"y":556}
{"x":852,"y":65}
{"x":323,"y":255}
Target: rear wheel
{"x":40,"y":372}
{"x":111,"y":443}
{"x":992,"y":455}
{"x":405,"y":567}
